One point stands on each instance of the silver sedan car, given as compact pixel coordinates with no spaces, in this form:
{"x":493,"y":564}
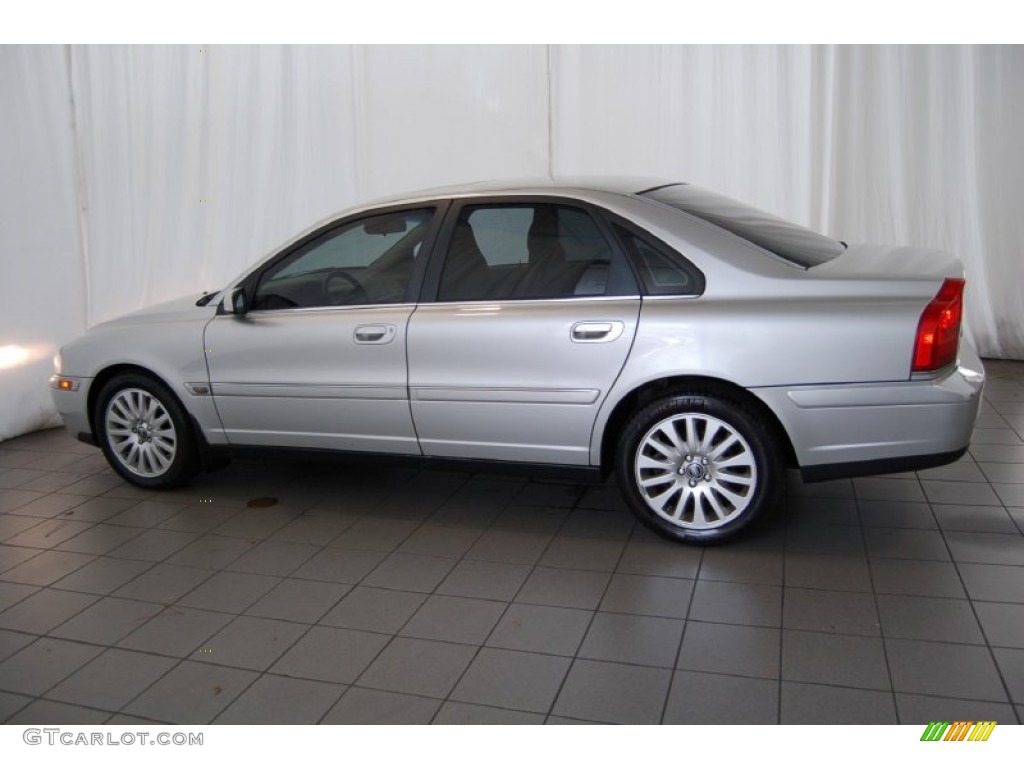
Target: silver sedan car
{"x":691,"y":345}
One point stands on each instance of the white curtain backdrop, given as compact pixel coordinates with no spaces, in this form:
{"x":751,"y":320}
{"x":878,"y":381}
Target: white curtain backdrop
{"x":133,"y":174}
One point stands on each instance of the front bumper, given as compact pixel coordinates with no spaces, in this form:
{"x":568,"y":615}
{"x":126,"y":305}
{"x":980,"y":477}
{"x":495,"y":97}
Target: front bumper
{"x":856,"y":429}
{"x":73,"y":405}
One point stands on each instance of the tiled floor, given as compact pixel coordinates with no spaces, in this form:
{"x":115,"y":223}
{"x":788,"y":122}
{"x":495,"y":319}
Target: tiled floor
{"x":417,"y":597}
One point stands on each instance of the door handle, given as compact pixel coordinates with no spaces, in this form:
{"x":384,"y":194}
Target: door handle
{"x":374,"y":334}
{"x":604,"y":330}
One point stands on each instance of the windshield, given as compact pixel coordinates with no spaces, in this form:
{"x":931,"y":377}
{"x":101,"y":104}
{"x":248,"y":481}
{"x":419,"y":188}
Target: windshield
{"x":789,"y":241}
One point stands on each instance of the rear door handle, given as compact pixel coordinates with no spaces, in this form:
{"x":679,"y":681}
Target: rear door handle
{"x":595,"y":331}
{"x":374,"y":334}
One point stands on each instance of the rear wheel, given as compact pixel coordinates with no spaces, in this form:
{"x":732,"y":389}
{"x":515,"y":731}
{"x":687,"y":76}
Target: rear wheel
{"x":698,"y":467}
{"x":144,"y":432}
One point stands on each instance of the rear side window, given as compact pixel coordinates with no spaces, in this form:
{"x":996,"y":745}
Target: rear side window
{"x":662,"y":274}
{"x":799,"y":245}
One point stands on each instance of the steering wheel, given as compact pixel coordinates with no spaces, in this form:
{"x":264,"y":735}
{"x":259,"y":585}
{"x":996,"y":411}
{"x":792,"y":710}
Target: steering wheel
{"x":337,"y":292}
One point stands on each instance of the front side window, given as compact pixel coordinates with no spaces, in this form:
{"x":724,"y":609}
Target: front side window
{"x":530,"y":251}
{"x":368,"y":261}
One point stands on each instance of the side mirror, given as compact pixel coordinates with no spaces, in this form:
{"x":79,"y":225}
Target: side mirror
{"x":239,"y":301}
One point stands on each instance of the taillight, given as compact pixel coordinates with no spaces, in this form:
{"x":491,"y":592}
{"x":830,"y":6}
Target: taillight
{"x":938,"y":331}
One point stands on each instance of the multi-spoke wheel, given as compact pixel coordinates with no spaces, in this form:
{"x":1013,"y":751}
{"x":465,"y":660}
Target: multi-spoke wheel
{"x":144,"y":432}
{"x":698,"y":467}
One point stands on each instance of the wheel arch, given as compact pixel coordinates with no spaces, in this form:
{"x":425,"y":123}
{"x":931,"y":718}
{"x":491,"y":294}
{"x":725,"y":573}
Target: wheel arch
{"x":656,"y":389}
{"x":117,"y":369}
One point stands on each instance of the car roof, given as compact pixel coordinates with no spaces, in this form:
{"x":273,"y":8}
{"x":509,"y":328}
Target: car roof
{"x":622,"y":185}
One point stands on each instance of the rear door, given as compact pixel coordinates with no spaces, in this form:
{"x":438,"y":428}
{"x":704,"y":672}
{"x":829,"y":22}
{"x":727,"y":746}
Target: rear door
{"x":529,"y":316}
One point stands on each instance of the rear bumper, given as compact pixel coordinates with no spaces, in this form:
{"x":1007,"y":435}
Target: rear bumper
{"x":856,"y":429}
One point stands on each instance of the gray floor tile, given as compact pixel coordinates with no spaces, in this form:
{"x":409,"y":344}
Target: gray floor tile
{"x":11,"y":703}
{"x":46,"y":568}
{"x":274,"y":558}
{"x":1003,"y":473}
{"x":928,"y":618}
{"x":153,"y":545}
{"x":276,"y":700}
{"x":512,"y":680}
{"x":544,"y":494}
{"x":822,"y":610}
{"x":591,"y":521}
{"x":1003,"y":623}
{"x":655,"y":558}
{"x":414,"y":573}
{"x":944,"y":669}
{"x":832,"y":540}
{"x":1012,"y":495}
{"x":697,"y":698}
{"x":916,"y":577}
{"x":439,"y":541}
{"x":191,"y":693}
{"x":112,"y":679}
{"x":588,"y":554}
{"x":887,"y":489}
{"x":632,"y":639}
{"x":987,"y":548}
{"x":946,"y":492}
{"x":38,"y":667}
{"x":491,"y":581}
{"x":314,"y":530}
{"x":744,"y":566}
{"x":48,"y":533}
{"x":361,"y":706}
{"x":920,"y":710}
{"x":897,"y":514}
{"x":374,"y":610}
{"x":199,"y":518}
{"x":344,"y":566}
{"x":958,"y":517}
{"x":730,"y":649}
{"x":375,"y":533}
{"x":176,"y":631}
{"x":833,"y":659}
{"x":806,"y":511}
{"x":905,"y":544}
{"x":212,"y":551}
{"x":543,"y":629}
{"x":164,"y":583}
{"x":564,"y":588}
{"x":455,"y":713}
{"x":753,"y":604}
{"x":254,"y":524}
{"x":454,"y":619}
{"x":12,"y":500}
{"x":648,"y":595}
{"x":998,"y":583}
{"x":807,"y":704}
{"x":41,"y":612}
{"x":107,"y":620}
{"x":229,"y":592}
{"x":299,"y":600}
{"x":250,"y":643}
{"x":43,"y":712}
{"x":99,"y":539}
{"x":50,"y":505}
{"x":846,"y":574}
{"x":505,"y":546}
{"x":539,"y":520}
{"x":333,"y":655}
{"x":11,"y":594}
{"x":1011,"y":665}
{"x":10,"y":642}
{"x":420,"y":667}
{"x":11,"y":526}
{"x":613,"y":693}
{"x":102,"y":576}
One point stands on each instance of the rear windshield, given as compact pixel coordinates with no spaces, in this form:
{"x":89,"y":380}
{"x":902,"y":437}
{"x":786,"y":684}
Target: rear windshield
{"x":790,"y":241}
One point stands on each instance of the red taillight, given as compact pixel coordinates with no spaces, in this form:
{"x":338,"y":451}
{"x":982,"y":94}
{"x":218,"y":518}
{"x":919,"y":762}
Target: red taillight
{"x":938,"y":332}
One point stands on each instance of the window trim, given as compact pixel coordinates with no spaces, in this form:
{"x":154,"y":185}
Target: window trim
{"x":432,"y":279}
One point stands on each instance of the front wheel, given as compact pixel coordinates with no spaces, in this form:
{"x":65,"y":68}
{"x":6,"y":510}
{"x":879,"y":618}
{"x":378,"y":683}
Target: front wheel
{"x":698,"y":467}
{"x":144,"y":432}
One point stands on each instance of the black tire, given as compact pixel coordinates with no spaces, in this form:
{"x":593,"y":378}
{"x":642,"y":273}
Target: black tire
{"x":698,"y":467}
{"x":135,"y":411}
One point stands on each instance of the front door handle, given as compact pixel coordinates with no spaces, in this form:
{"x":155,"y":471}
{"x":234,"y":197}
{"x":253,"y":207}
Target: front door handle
{"x":594,"y":331}
{"x":375,"y":334}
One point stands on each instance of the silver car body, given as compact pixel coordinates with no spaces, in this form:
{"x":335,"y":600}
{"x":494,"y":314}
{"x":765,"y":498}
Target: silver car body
{"x":826,"y":349}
